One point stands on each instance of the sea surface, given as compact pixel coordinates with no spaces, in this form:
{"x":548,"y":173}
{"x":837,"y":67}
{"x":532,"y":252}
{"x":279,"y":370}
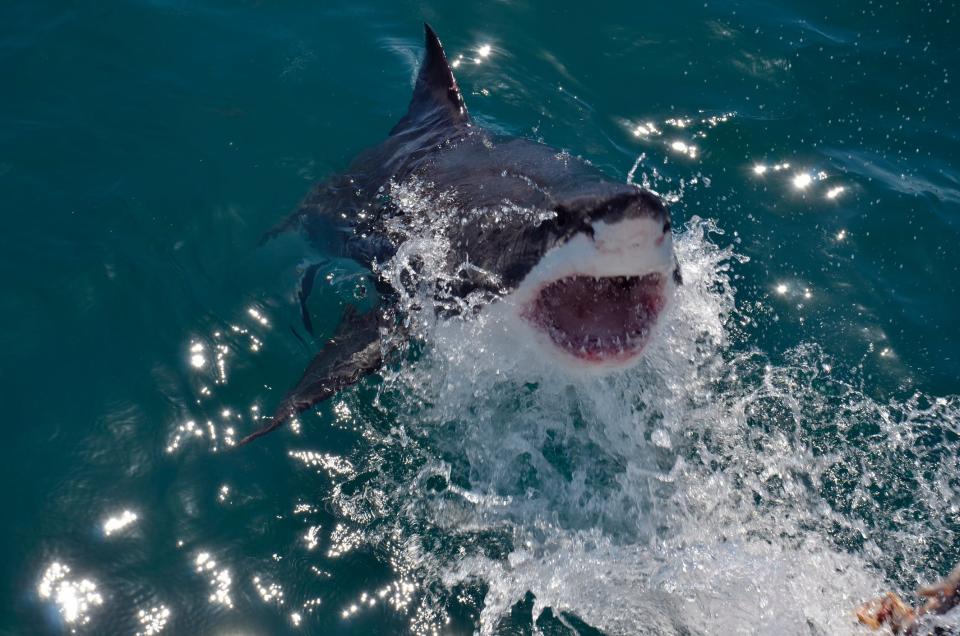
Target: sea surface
{"x":787,"y":449}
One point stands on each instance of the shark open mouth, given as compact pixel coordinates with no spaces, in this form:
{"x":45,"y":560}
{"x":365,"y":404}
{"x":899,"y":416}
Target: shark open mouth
{"x":599,"y":319}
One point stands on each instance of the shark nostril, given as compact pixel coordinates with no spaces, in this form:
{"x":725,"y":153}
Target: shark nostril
{"x":666,"y":226}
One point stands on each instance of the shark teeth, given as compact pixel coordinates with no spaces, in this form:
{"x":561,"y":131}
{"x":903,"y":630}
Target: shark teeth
{"x":599,"y":318}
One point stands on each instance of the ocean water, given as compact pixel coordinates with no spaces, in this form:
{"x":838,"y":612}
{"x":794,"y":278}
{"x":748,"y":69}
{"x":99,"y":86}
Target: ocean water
{"x":787,"y":448}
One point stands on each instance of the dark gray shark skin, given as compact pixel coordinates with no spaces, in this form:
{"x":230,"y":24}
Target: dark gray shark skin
{"x":480,"y":175}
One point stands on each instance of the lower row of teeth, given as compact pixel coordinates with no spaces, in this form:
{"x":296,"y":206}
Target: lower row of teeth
{"x":628,"y":342}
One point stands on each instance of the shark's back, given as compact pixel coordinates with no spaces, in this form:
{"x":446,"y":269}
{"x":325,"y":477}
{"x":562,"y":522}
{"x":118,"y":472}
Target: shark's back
{"x":343,"y":204}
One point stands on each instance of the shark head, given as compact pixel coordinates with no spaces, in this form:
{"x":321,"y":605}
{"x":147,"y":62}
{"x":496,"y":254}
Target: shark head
{"x":596,"y":295}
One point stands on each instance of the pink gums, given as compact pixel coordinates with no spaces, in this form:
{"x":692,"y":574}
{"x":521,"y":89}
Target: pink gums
{"x":599,"y":319}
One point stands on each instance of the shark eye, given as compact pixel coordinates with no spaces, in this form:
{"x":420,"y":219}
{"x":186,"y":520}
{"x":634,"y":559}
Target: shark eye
{"x":570,"y":222}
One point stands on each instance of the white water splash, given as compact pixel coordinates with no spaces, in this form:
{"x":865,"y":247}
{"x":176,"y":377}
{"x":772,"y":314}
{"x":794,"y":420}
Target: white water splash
{"x":709,"y":490}
{"x":714,"y":488}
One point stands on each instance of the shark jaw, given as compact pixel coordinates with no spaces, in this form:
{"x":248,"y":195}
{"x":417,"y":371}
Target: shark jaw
{"x":599,"y":320}
{"x":596,"y":300}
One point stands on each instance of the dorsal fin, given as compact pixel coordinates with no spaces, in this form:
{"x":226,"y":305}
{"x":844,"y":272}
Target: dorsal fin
{"x":436,"y":97}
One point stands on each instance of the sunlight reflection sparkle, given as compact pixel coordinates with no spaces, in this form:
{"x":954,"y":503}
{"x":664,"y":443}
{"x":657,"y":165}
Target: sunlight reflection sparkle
{"x":197,"y":358}
{"x":834,"y":192}
{"x":153,"y":620}
{"x":118,"y":523}
{"x":220,"y":580}
{"x":802,"y":180}
{"x":684,"y":148}
{"x":310,"y":538}
{"x":74,"y":598}
{"x":268,"y":591}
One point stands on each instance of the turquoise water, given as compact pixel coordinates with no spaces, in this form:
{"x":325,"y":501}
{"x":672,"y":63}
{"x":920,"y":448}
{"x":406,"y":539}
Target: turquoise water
{"x":787,"y":449}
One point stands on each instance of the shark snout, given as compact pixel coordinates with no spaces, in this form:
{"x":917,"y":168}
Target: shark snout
{"x":635,"y":203}
{"x":613,"y":203}
{"x":627,"y":235}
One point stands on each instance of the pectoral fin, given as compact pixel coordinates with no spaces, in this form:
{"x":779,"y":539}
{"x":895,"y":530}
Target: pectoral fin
{"x":354,"y":352}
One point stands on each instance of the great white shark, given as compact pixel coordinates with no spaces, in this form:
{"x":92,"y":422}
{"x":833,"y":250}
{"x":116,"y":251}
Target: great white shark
{"x":587,"y":263}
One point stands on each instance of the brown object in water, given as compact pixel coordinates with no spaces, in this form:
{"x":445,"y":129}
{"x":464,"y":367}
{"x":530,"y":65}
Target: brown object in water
{"x":901,"y":618}
{"x":886,"y":610}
